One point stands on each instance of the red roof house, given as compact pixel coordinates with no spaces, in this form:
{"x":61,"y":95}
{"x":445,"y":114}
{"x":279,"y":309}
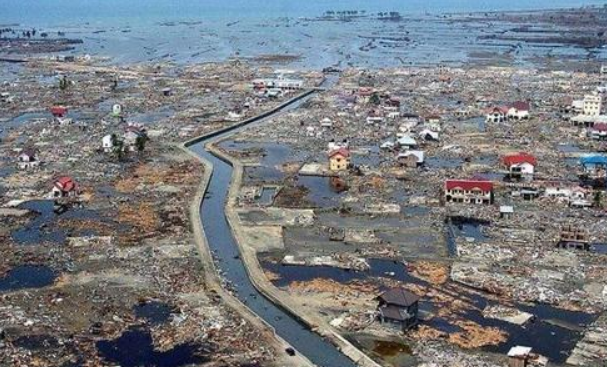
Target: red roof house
{"x":469,"y":191}
{"x":469,"y":185}
{"x":365,"y":91}
{"x":600,"y":126}
{"x":519,"y":110}
{"x":519,"y":158}
{"x":59,"y":111}
{"x":341,"y":151}
{"x":520,"y":106}
{"x":339,"y":159}
{"x":65,"y":186}
{"x":521,"y":165}
{"x":498,"y":109}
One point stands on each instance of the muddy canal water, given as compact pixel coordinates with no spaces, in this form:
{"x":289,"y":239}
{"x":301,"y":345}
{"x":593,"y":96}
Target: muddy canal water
{"x":225,"y":249}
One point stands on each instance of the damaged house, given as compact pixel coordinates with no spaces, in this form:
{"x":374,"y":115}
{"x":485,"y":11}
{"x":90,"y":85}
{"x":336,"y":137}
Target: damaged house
{"x":132,"y":134}
{"x":59,"y":111}
{"x":411,"y":158}
{"x":598,"y":131}
{"x":496,"y":114}
{"x":28,"y":158}
{"x":595,"y":166}
{"x":65,"y":187}
{"x":399,"y":307}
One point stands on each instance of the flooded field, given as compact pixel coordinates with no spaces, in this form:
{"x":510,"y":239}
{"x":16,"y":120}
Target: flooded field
{"x":378,"y":268}
{"x":320,"y":192}
{"x":267,"y":196}
{"x":29,"y":117}
{"x":362,"y":175}
{"x":553,"y":332}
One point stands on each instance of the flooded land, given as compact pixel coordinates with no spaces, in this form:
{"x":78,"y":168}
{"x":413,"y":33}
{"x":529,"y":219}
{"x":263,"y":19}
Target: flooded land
{"x":416,"y":189}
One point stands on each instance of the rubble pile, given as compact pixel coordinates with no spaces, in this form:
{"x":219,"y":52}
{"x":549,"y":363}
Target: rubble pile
{"x":484,"y":257}
{"x":434,"y":355}
{"x":593,"y":346}
{"x":121,"y":237}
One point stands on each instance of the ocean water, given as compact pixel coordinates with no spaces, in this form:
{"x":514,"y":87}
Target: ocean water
{"x":192,"y":31}
{"x":47,"y":12}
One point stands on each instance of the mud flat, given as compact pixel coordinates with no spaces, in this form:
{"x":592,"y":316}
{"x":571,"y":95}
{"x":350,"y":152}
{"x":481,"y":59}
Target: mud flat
{"x":36,"y":46}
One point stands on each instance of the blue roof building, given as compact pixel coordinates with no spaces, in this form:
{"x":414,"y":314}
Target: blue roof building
{"x":593,"y":161}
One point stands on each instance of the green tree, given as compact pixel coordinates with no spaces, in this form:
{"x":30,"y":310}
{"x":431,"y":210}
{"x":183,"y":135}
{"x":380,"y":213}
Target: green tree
{"x":375,"y":99}
{"x":598,"y":199}
{"x":140,"y":143}
{"x":114,"y":84}
{"x":63,"y":83}
{"x":117,"y":147}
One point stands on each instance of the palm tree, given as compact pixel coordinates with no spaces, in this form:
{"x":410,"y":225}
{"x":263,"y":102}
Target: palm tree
{"x":117,"y":147}
{"x":140,"y":143}
{"x":63,"y":83}
{"x":375,"y":99}
{"x":598,"y":199}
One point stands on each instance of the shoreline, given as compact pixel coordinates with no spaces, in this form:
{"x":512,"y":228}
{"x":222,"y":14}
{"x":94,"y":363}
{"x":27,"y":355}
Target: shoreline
{"x":450,"y":39}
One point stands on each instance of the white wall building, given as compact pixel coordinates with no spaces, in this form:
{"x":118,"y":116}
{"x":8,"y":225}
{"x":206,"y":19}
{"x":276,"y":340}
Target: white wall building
{"x":592,"y":105}
{"x":28,"y":159}
{"x":107,"y":143}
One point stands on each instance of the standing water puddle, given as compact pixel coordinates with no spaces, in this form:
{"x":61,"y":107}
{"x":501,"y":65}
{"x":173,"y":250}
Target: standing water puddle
{"x":392,"y":352}
{"x":415,"y":210}
{"x":27,"y":276}
{"x":36,"y":342}
{"x":135,"y":348}
{"x":271,"y":156}
{"x":437,"y":162}
{"x":267,"y":196}
{"x":154,"y":312}
{"x":43,"y":228}
{"x":152,"y":117}
{"x":469,"y":228}
{"x":321,"y":192}
{"x":301,"y":273}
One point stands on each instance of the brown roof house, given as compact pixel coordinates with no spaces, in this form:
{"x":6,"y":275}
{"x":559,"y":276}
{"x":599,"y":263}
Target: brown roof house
{"x":398,"y":307}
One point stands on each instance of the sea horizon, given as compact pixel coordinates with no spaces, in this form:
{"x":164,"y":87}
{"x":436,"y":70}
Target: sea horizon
{"x":65,"y":12}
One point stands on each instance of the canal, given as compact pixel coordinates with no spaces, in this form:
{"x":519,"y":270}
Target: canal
{"x":226,"y":252}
